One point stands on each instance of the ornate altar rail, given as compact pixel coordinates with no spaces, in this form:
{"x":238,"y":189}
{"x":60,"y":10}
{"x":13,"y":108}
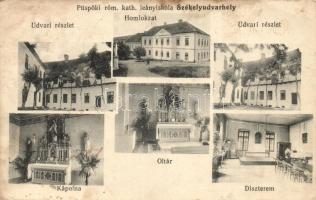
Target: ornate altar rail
{"x":54,"y":153}
{"x":174,"y":132}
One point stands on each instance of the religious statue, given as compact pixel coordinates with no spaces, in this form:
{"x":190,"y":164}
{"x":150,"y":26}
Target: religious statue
{"x":87,"y":144}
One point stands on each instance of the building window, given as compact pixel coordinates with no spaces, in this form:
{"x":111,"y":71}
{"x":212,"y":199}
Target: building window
{"x":168,"y":41}
{"x":161,"y":42}
{"x":252,"y":95}
{"x":186,"y":41}
{"x":65,"y":98}
{"x":168,"y":54}
{"x":86,"y":98}
{"x":270,"y":94}
{"x":149,"y":52}
{"x":294,"y":98}
{"x":39,"y":97}
{"x":198,"y":56}
{"x":261,"y":95}
{"x":243,"y":140}
{"x":199,"y":42}
{"x":270,"y":136}
{"x":237,"y":94}
{"x":161,"y":53}
{"x":177,"y":56}
{"x":73,"y":98}
{"x":144,"y":42}
{"x":149,"y":41}
{"x":55,"y":97}
{"x":178,"y":41}
{"x":245,"y":95}
{"x":258,"y":137}
{"x":98,"y":101}
{"x":304,"y":138}
{"x":186,"y":56}
{"x":47,"y":98}
{"x":26,"y":61}
{"x":156,"y":41}
{"x":110,"y":97}
{"x":156,"y":53}
{"x":282,"y":95}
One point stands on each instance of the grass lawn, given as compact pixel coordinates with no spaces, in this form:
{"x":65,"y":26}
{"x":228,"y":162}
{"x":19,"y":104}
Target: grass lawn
{"x":182,"y":71}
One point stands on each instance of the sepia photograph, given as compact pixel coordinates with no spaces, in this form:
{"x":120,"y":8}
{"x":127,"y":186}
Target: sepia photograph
{"x":163,"y":118}
{"x":257,"y":77}
{"x":262,"y":147}
{"x":57,"y":149}
{"x":54,"y":76}
{"x":169,"y":47}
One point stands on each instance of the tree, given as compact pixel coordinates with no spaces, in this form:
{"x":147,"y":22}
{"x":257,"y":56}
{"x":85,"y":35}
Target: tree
{"x":295,"y":70}
{"x":123,"y":51}
{"x":226,"y":75}
{"x":139,"y":52}
{"x":100,"y":65}
{"x":142,"y":122}
{"x":31,"y":76}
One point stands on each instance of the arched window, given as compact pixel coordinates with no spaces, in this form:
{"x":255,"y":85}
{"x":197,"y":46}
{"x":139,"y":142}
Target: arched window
{"x":258,"y":137}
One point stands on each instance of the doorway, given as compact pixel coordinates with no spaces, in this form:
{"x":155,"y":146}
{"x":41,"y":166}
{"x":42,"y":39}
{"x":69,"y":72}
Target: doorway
{"x":281,"y":149}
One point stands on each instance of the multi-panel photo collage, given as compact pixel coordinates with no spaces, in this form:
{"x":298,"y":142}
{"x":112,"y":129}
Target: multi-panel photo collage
{"x":172,"y":88}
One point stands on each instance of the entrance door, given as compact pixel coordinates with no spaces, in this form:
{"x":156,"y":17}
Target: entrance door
{"x":281,"y":149}
{"x":243,"y":140}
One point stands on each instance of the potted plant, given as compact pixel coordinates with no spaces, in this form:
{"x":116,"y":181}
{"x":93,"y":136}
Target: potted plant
{"x":88,"y":162}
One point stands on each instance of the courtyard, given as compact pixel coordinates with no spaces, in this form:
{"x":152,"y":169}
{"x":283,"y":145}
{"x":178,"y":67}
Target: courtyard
{"x":160,"y":68}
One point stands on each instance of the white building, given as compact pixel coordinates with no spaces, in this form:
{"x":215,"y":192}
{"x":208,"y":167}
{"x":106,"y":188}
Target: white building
{"x":261,"y":91}
{"x":179,"y":41}
{"x":89,"y":98}
{"x":29,"y":60}
{"x":61,"y":94}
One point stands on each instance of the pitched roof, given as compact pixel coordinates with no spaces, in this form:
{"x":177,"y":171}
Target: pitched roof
{"x":175,"y":28}
{"x":32,"y":50}
{"x":135,"y":38}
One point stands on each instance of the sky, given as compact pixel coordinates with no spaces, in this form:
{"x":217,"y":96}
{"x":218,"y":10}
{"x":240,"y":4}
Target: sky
{"x":198,"y":20}
{"x":55,"y":51}
{"x":254,"y":53}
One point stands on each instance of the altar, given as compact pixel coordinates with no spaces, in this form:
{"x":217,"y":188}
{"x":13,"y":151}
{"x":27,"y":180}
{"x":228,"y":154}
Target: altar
{"x":44,"y":173}
{"x":53,"y":163}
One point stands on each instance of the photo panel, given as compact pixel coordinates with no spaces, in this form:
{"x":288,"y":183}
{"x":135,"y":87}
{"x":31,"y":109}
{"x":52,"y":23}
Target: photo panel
{"x":256,"y":77}
{"x":56,"y":149}
{"x":163,"y":118}
{"x":262,"y":148}
{"x":169,"y":45}
{"x":72,"y":77}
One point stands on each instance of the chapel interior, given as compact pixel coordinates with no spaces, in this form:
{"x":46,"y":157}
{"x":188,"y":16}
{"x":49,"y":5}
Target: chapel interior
{"x":56,"y":149}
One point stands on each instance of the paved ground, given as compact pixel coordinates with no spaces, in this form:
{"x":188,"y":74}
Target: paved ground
{"x":233,"y":171}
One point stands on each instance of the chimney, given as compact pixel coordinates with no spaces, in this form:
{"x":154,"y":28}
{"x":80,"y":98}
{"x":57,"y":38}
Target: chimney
{"x":66,"y":57}
{"x":180,"y":20}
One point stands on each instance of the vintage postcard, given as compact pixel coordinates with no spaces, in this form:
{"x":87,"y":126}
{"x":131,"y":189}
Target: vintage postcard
{"x":137,"y":100}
